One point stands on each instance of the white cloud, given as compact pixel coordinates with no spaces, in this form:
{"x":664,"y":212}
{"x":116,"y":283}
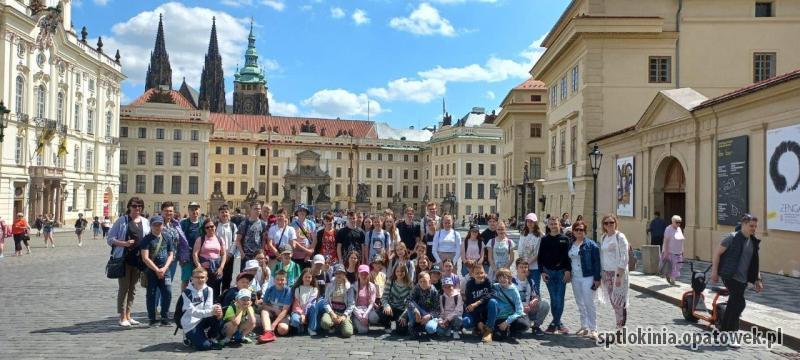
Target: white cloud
{"x":424,"y":20}
{"x":101,"y":2}
{"x":281,"y":108}
{"x":135,"y":38}
{"x":360,"y":17}
{"x":385,"y":131}
{"x":306,"y":7}
{"x":420,"y":91}
{"x":278,"y":5}
{"x":337,"y":13}
{"x":237,"y":3}
{"x":490,"y":95}
{"x":340,"y":103}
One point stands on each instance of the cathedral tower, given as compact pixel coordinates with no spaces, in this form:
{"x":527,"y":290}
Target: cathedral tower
{"x":159,"y":71}
{"x":212,"y":81}
{"x":250,"y":84}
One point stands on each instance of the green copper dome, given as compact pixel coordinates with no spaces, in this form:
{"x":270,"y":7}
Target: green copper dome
{"x":251,"y":73}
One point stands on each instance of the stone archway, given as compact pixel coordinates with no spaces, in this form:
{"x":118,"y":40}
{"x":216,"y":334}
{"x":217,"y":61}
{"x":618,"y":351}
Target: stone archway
{"x":669,"y":190}
{"x":307,"y":183}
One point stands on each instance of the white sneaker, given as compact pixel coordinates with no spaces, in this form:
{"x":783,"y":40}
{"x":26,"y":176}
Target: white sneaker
{"x":80,"y":244}
{"x":134,"y":322}
{"x":312,"y":332}
{"x":125,"y":323}
{"x":29,"y":251}
{"x":456,"y":335}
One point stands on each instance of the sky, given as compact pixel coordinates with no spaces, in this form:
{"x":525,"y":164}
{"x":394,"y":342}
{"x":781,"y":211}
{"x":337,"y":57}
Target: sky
{"x":392,"y":61}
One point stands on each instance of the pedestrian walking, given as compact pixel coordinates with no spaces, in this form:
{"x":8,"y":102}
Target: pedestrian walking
{"x":47,"y":230}
{"x":80,"y":227}
{"x":656,"y":229}
{"x":673,"y":248}
{"x":38,"y":224}
{"x":96,"y":231}
{"x":21,"y":230}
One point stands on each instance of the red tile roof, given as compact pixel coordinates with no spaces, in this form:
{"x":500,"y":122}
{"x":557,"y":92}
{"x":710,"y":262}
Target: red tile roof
{"x":177,"y":98}
{"x":530,"y":84}
{"x":749,"y":89}
{"x":283,"y":124}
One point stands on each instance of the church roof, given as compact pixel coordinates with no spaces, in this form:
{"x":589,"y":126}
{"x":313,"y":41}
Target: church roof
{"x":283,"y":125}
{"x":530,"y":84}
{"x":174,"y":96}
{"x":251,"y":73}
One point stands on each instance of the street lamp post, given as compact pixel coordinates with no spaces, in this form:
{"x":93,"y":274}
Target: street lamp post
{"x":596,"y":158}
{"x":3,"y":120}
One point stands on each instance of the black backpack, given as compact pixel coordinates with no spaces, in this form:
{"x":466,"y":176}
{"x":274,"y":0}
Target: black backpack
{"x":178,"y":314}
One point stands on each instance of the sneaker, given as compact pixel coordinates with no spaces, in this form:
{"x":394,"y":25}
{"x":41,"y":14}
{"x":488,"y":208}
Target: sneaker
{"x":551,"y":329}
{"x":29,"y":251}
{"x":593,"y":335}
{"x":582,"y":332}
{"x":312,"y":332}
{"x":80,"y":244}
{"x":487,"y":335}
{"x":125,"y":323}
{"x":152,"y":323}
{"x":537,"y":332}
{"x":456,"y":335}
{"x":387,"y":330}
{"x":217,"y":346}
{"x":267,"y":336}
{"x":563,"y":330}
{"x":54,"y":246}
{"x":246,"y":340}
{"x":164,"y":322}
{"x":134,"y":322}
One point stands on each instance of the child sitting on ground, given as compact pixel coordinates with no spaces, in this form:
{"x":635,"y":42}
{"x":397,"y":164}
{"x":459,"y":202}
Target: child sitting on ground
{"x":365,"y":294}
{"x":532,"y":304}
{"x":436,"y":277}
{"x":511,"y":320}
{"x":481,"y":308}
{"x":423,"y":306}
{"x":200,"y":319}
{"x":275,"y":310}
{"x":452,"y":309}
{"x":339,"y":304}
{"x":240,"y":319}
{"x":242,"y":282}
{"x":304,"y":308}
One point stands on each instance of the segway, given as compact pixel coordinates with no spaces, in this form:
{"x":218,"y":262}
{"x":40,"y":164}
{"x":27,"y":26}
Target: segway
{"x":693,"y":305}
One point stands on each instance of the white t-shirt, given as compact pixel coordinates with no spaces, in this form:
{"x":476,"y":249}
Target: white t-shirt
{"x":227,"y":233}
{"x":281,"y":236}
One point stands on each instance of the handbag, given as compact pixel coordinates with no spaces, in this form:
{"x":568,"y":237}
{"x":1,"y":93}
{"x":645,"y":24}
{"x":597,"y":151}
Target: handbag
{"x":115,"y":268}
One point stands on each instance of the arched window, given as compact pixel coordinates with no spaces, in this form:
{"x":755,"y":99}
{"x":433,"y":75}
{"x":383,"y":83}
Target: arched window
{"x":109,"y":118}
{"x":20,"y":94}
{"x":60,"y":108}
{"x":41,"y":100}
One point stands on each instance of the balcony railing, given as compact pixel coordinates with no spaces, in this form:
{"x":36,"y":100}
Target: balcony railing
{"x":23,"y":118}
{"x":45,"y":123}
{"x":45,"y":172}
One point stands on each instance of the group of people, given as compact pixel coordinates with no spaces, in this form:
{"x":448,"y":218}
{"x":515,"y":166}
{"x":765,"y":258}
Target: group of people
{"x":20,"y":230}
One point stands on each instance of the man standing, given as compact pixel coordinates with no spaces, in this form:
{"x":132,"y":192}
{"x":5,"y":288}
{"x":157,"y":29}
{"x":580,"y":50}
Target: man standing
{"x":251,"y":234}
{"x":431,"y":213}
{"x":237,"y":217}
{"x":191,"y":228}
{"x":487,"y":235}
{"x":226,"y":231}
{"x":350,"y":237}
{"x":656,"y":229}
{"x":736,"y":262}
{"x":409,"y":230}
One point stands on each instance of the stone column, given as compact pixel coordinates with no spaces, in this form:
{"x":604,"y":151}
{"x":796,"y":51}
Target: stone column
{"x":37,"y":197}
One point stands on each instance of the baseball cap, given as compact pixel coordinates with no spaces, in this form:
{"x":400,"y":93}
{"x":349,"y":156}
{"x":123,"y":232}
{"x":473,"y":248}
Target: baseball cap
{"x":286,"y":249}
{"x":531,"y":217}
{"x":474,"y":227}
{"x":245,"y":275}
{"x":244,"y":294}
{"x":363,"y":268}
{"x":436,"y":268}
{"x":339,"y":268}
{"x":302,"y":207}
{"x":447,"y":281}
{"x":250,"y":265}
{"x":157,"y":219}
{"x":319,"y":259}
{"x":193,"y":204}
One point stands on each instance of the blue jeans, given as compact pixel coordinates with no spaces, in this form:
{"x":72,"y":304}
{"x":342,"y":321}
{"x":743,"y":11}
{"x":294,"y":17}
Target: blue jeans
{"x":158,"y":291}
{"x":312,"y":316}
{"x":454,"y":325}
{"x":430,"y":325}
{"x":168,"y":276}
{"x":536,"y":275}
{"x":486,"y":314}
{"x":556,"y":287}
{"x":206,"y":329}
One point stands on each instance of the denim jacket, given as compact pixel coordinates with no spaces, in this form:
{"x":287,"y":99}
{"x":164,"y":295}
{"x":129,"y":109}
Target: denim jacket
{"x":590,"y":259}
{"x":118,"y":232}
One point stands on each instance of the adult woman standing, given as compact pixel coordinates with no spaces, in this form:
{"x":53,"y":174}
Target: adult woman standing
{"x":584,"y":255}
{"x":447,"y":242}
{"x":556,"y":270}
{"x":47,"y":229}
{"x":529,"y":248}
{"x":124,"y":239}
{"x":501,"y":253}
{"x":614,"y":258}
{"x":673,"y":248}
{"x":20,"y":230}
{"x":209,"y":252}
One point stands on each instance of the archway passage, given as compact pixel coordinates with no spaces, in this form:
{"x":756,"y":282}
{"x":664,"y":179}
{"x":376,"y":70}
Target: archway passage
{"x":670,"y":189}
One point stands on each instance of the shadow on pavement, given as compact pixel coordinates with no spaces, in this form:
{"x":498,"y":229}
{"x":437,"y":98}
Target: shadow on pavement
{"x":174,"y":347}
{"x":91,"y":327}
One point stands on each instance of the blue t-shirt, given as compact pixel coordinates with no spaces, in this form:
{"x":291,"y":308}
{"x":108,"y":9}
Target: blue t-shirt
{"x":192,"y":230}
{"x":150,"y":243}
{"x":278,"y":297}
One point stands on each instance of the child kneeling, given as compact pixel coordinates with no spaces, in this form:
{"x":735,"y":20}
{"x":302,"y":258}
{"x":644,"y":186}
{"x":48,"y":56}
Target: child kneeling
{"x":304,"y":305}
{"x":201,"y":317}
{"x":511,"y":320}
{"x":423,"y":306}
{"x":277,"y":301}
{"x":240,"y":319}
{"x":340,"y":304}
{"x":481,"y":308}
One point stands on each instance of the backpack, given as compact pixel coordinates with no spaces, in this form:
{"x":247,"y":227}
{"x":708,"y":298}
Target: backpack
{"x":178,"y":314}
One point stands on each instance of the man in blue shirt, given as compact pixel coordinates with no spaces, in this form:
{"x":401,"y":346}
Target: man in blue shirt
{"x":656,"y":230}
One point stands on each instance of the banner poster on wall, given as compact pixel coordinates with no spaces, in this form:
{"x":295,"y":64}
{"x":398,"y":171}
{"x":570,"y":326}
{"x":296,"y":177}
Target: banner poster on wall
{"x":732,"y":182}
{"x":783,"y":178}
{"x":625,"y":186}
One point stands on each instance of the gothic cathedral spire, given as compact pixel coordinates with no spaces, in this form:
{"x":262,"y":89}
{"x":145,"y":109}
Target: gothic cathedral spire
{"x":249,"y":83}
{"x":212,"y":81}
{"x":159,"y":71}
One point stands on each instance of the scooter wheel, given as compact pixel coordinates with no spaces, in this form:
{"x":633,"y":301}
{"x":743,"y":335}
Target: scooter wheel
{"x":686,"y":309}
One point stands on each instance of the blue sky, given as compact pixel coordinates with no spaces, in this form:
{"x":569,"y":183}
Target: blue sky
{"x":330,"y":57}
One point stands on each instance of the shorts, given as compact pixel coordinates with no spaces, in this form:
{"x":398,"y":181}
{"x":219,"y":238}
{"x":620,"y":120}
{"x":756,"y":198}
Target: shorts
{"x":286,"y":320}
{"x":186,"y":271}
{"x":78,"y":231}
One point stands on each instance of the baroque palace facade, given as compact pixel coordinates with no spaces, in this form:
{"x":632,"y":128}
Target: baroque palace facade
{"x":185,"y":145}
{"x":60,"y":140}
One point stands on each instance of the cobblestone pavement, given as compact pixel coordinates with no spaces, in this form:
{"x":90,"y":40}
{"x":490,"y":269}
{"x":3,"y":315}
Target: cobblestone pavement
{"x":58,"y":303}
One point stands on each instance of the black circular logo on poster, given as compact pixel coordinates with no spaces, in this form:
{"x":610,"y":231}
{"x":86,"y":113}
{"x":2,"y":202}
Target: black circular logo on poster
{"x":778,"y":180}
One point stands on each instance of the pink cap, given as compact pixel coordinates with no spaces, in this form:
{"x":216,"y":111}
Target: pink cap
{"x":531,"y":217}
{"x":363,"y":268}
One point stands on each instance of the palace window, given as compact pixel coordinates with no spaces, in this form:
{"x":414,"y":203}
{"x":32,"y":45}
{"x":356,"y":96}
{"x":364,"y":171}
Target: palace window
{"x":659,"y":69}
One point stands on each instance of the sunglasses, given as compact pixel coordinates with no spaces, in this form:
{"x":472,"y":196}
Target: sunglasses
{"x":609,"y":223}
{"x":210,"y":227}
{"x":579,"y":230}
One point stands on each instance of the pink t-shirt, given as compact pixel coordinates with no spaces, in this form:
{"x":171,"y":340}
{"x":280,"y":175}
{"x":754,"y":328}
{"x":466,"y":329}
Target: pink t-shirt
{"x":363,"y":296}
{"x":211,"y":248}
